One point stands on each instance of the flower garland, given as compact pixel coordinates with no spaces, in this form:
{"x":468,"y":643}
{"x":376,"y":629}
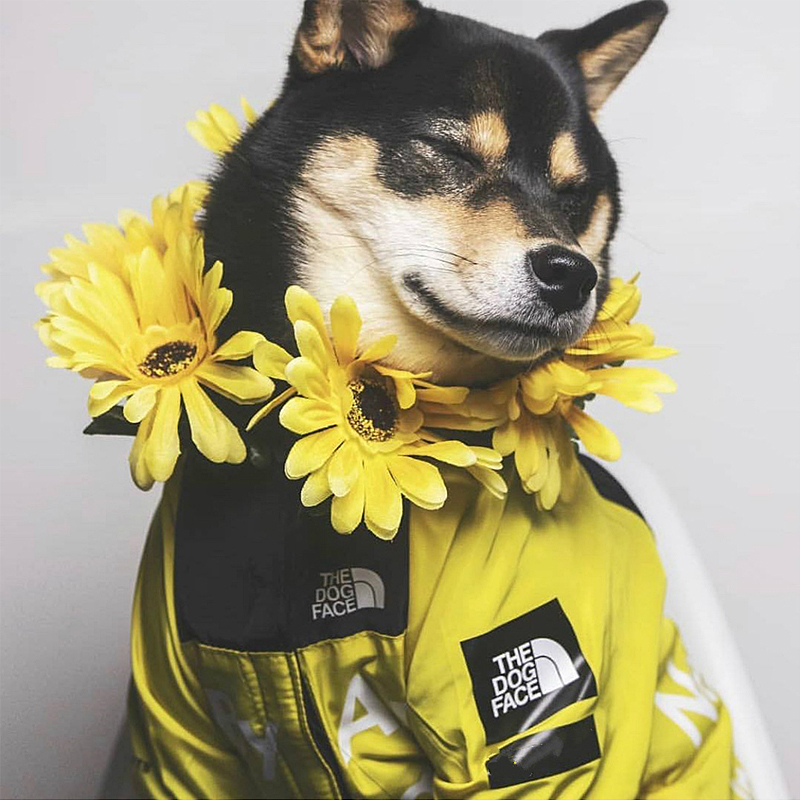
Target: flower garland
{"x":133,"y":309}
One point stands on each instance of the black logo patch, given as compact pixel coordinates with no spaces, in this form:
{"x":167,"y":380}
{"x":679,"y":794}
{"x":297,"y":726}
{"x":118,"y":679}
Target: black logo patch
{"x":525,"y":670}
{"x":543,"y":754}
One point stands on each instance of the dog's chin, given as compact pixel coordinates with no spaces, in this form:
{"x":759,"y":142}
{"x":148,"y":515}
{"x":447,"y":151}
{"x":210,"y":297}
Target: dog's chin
{"x":515,"y":342}
{"x":507,"y":338}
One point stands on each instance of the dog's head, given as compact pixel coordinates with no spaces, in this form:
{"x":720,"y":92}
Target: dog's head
{"x":447,"y":175}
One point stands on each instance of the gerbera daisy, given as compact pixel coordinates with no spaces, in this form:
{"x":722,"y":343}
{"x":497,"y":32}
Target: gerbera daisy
{"x":149,"y":335}
{"x":363,"y":440}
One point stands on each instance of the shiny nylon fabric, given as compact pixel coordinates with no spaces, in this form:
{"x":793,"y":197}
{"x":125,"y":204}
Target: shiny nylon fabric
{"x":373,"y":715}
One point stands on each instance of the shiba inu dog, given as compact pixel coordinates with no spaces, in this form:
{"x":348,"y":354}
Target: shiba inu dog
{"x":448,"y":175}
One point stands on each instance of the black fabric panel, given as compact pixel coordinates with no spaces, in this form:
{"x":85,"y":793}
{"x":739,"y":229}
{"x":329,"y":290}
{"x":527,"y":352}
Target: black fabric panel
{"x":608,"y":486}
{"x":250,"y":563}
{"x":544,"y":754}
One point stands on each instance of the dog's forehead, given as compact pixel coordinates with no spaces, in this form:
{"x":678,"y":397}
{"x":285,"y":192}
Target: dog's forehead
{"x":508,"y":84}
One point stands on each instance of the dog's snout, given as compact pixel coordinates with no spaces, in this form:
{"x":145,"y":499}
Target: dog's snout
{"x":565,"y":278}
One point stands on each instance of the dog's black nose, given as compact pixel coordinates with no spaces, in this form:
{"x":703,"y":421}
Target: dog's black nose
{"x":565,"y":278}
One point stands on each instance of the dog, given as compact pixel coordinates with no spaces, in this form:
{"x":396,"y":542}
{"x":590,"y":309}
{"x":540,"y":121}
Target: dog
{"x":451,"y":178}
{"x":447,"y":175}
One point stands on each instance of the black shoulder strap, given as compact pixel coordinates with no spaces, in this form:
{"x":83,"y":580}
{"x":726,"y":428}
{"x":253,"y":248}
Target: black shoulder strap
{"x":608,"y":486}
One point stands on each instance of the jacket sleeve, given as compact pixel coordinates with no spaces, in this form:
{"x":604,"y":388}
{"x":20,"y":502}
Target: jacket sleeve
{"x":691,"y":747}
{"x":179,"y":750}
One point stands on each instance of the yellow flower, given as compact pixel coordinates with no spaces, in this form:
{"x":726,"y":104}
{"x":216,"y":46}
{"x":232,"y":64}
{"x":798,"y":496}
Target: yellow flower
{"x":149,"y":335}
{"x":614,"y":337}
{"x":217,"y":129}
{"x":528,"y":412}
{"x":118,"y":248}
{"x":171,"y":215}
{"x":363,"y":437}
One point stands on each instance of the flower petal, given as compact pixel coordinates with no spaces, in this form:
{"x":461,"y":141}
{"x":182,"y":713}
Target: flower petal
{"x":270,"y":407}
{"x":568,"y":380}
{"x":104,"y":395}
{"x":490,"y":479}
{"x":249,"y":112}
{"x":635,"y":386}
{"x":380,"y":349}
{"x":596,"y":438}
{"x":487,"y":457}
{"x":163,"y":445}
{"x":420,"y":481}
{"x":271,"y":359}
{"x":315,"y":488}
{"x":141,"y":403}
{"x":225,"y":121}
{"x":237,"y":450}
{"x":348,"y":511}
{"x":241,"y":384}
{"x":139,"y":470}
{"x":310,"y":344}
{"x":447,"y":395}
{"x":530,"y":455}
{"x":301,"y":305}
{"x":208,"y":424}
{"x":410,"y":420}
{"x":240,"y":345}
{"x":311,"y":452}
{"x":505,"y":438}
{"x":453,"y":452}
{"x":345,"y":468}
{"x":383,"y":503}
{"x":307,"y":378}
{"x":405,"y":391}
{"x":548,"y":494}
{"x":305,"y":415}
{"x":345,"y":327}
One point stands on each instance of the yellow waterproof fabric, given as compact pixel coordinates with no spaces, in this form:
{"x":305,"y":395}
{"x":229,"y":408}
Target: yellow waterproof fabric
{"x":427,"y":713}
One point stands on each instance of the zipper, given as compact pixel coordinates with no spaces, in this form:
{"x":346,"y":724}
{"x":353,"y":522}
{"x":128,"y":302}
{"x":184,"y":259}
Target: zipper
{"x":318,"y":735}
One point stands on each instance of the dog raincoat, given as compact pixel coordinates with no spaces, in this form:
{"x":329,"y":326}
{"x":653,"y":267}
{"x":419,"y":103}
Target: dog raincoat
{"x":490,"y":650}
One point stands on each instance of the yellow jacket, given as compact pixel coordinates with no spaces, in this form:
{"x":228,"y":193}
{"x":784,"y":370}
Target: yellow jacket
{"x":491,"y":650}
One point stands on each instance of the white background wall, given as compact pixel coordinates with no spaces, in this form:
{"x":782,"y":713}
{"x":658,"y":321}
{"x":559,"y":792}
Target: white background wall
{"x":706,"y":131}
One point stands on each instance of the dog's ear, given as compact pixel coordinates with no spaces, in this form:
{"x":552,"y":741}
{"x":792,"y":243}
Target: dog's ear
{"x":607,"y":49}
{"x":350,"y":33}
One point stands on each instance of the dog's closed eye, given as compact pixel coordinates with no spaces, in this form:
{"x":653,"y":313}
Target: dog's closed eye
{"x":440,"y":148}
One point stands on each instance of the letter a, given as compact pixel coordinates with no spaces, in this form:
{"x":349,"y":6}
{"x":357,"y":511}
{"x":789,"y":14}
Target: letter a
{"x":377,"y":715}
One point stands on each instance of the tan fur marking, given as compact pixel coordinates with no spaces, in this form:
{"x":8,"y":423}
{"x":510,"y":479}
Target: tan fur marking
{"x":566,"y":166}
{"x":366,"y":29}
{"x":604,"y":67}
{"x":487,"y":135}
{"x":595,"y":237}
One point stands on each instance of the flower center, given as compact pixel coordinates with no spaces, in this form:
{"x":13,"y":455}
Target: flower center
{"x":168,"y":359}
{"x":373,"y":415}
